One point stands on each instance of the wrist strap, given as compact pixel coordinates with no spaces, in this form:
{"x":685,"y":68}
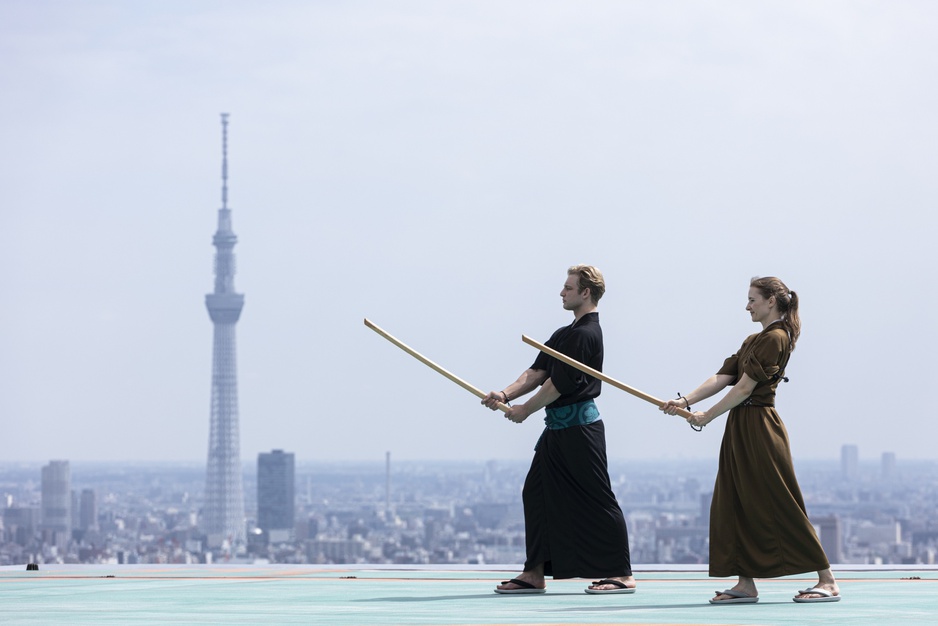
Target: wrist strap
{"x":686,"y":402}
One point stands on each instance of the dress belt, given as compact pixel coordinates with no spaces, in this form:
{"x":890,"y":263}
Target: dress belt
{"x":749,"y":402}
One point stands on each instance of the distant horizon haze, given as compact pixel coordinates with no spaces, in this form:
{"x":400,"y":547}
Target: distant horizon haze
{"x":380,"y":463}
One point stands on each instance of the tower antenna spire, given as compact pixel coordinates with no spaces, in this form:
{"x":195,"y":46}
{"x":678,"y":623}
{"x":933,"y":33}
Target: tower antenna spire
{"x":224,"y":160}
{"x":223,"y":513}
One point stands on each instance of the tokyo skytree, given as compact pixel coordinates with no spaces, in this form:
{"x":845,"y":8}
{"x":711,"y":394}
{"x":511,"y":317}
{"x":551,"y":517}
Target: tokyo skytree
{"x":223,"y":514}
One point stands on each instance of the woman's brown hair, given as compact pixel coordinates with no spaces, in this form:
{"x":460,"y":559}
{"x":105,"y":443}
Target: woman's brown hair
{"x":786,"y":301}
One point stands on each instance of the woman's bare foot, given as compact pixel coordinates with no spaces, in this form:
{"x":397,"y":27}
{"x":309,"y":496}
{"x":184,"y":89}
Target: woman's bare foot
{"x":825,"y":581}
{"x":831,"y":588}
{"x":745,"y":586}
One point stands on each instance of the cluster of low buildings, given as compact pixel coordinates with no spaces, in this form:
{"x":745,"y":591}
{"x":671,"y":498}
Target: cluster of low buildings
{"x":427,"y":513}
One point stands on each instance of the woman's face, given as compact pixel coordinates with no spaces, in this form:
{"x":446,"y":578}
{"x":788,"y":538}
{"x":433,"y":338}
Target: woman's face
{"x":762,"y":310}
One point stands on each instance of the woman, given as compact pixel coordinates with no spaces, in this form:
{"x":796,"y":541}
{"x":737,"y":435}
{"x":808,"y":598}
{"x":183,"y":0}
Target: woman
{"x":758,"y":524}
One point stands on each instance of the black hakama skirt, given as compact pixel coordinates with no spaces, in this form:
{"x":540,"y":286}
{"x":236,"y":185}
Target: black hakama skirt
{"x":573,"y":522}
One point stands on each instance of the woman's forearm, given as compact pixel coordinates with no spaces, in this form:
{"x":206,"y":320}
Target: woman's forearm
{"x":709,"y":387}
{"x":738,"y":394}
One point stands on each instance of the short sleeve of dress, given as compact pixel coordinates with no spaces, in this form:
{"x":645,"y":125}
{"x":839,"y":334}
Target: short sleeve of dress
{"x":761,"y":362}
{"x":730,"y":366}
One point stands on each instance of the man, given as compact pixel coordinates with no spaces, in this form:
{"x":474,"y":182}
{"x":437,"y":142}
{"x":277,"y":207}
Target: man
{"x":573,"y":524}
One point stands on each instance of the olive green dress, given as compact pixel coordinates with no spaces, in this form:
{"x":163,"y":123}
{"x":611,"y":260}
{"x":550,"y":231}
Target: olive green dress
{"x":758,"y":524}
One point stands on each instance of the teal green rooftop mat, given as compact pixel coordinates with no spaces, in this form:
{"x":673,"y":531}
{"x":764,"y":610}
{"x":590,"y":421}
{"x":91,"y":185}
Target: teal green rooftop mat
{"x":363,"y":595}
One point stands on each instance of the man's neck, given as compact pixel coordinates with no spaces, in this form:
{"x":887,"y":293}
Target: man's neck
{"x":583,"y":310}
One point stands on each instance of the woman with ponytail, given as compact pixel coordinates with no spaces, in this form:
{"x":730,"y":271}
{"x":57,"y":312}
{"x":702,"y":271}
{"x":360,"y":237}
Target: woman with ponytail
{"x":759,"y":526}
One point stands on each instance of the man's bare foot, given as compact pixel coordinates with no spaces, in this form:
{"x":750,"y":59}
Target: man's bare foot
{"x":526,"y":581}
{"x":628,"y":581}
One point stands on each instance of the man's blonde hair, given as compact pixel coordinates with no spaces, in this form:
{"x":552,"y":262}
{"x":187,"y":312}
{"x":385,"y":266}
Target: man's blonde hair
{"x":589,"y":277}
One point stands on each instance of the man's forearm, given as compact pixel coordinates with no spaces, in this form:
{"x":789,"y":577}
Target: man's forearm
{"x":544,"y":396}
{"x":527,"y":382}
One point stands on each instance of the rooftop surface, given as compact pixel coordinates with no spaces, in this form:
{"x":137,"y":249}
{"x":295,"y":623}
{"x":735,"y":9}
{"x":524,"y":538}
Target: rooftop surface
{"x":438,"y":596}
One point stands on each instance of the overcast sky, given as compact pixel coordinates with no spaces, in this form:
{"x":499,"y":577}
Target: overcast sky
{"x":436,"y":167}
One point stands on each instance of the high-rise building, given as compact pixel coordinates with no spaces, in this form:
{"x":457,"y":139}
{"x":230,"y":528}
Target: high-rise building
{"x":75,"y":511}
{"x":275,"y":492}
{"x":706,"y":499}
{"x":20,"y":524}
{"x":831,"y":538}
{"x":889,"y":465}
{"x":387,"y":484}
{"x":849,"y":461}
{"x":56,"y":510}
{"x":223,"y":515}
{"x":88,"y":510}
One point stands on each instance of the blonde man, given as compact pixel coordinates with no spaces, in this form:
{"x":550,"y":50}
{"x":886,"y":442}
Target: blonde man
{"x":573,"y":524}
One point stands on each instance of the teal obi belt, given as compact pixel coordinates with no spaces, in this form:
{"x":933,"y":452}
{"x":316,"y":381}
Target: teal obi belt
{"x":579,"y":414}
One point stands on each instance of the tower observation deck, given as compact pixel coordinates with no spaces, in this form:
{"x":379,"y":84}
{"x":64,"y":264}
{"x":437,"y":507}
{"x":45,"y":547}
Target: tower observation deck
{"x":223,"y":514}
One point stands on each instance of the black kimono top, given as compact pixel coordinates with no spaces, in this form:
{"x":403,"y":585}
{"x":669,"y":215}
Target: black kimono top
{"x":582,"y":341}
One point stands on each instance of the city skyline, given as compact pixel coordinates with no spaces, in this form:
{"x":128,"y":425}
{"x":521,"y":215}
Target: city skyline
{"x":436,"y":168}
{"x":436,"y":512}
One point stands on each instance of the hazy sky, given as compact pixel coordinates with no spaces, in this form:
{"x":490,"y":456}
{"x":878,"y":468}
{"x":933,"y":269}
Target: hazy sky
{"x":436,"y":167}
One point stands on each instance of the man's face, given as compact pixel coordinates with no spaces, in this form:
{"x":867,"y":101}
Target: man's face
{"x":572,"y":297}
